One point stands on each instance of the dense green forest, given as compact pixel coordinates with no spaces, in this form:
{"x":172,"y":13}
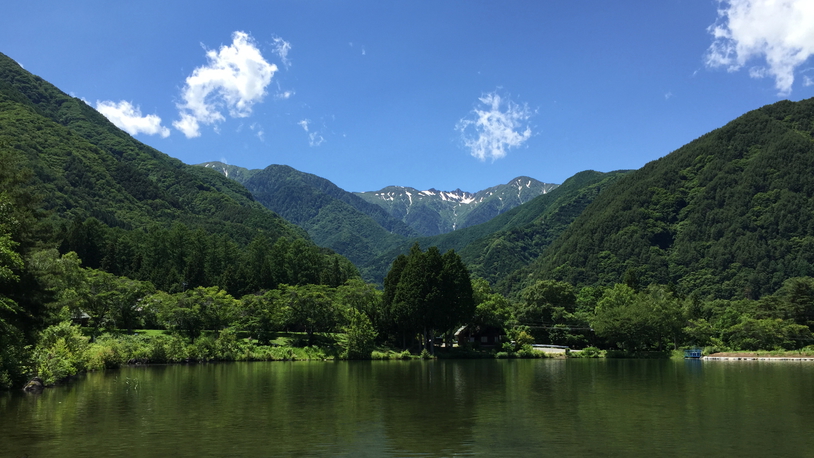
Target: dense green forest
{"x":728,"y":216}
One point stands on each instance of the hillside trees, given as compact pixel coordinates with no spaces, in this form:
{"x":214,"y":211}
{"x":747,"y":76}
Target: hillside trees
{"x":727,"y":216}
{"x":178,"y":258}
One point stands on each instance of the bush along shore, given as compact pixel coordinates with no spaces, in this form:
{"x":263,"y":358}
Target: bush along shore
{"x":64,"y":350}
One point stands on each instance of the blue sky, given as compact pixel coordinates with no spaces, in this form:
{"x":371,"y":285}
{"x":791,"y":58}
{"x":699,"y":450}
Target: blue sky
{"x":443,"y":94}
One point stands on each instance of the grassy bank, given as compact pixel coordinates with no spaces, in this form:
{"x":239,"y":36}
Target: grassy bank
{"x":65,"y":350}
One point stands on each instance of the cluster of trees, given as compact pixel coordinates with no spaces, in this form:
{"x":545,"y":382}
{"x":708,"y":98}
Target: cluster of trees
{"x":656,"y":318}
{"x":426,"y":293}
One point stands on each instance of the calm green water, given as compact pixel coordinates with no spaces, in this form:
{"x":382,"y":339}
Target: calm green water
{"x":412,"y":408}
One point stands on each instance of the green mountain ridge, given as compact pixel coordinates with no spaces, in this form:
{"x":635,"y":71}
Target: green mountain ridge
{"x":78,"y":156}
{"x":729,"y":215}
{"x":334,"y":218}
{"x":134,"y":211}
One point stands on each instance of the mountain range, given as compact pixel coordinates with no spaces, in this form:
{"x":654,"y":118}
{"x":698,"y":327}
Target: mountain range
{"x":369,"y":225}
{"x":434,"y":212}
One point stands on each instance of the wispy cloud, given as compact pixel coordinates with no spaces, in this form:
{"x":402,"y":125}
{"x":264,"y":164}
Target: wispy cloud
{"x":807,"y":81}
{"x":235,"y":78}
{"x":281,"y":48}
{"x":129,"y":118}
{"x":281,"y":94}
{"x":495,"y":126}
{"x":363,"y":48}
{"x":778,"y":31}
{"x":258,"y":130}
{"x":314,"y":137}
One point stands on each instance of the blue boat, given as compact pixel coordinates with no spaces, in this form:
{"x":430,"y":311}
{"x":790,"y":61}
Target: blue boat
{"x":693,"y":353}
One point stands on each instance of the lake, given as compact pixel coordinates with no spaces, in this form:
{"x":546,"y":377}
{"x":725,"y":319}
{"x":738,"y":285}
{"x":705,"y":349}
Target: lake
{"x":534,"y":408}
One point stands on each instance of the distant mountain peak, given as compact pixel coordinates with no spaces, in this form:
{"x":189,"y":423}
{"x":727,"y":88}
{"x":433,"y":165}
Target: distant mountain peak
{"x":433,"y":212}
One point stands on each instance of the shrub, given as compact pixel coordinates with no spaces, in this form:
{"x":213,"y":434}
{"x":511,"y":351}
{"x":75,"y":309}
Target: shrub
{"x":227,"y":346}
{"x":527,"y":351}
{"x":203,"y":349}
{"x":104,"y":354}
{"x":588,"y":352}
{"x":61,"y":352}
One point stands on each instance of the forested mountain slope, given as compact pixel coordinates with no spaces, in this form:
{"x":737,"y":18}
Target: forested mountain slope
{"x":122,"y":205}
{"x":434,"y":212}
{"x":85,"y":166}
{"x":334,"y":218}
{"x":728,"y":215}
{"x":533,"y":226}
{"x":513,"y":239}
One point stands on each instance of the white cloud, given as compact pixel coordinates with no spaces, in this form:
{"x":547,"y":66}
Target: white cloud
{"x":668,"y":95}
{"x":235,"y":78}
{"x":499,"y":126}
{"x":314,"y":137}
{"x":281,"y":48}
{"x":807,"y":81}
{"x":781,"y":32}
{"x":128,"y":118}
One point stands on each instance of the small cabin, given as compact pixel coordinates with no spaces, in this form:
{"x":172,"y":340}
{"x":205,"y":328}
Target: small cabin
{"x":479,"y":336}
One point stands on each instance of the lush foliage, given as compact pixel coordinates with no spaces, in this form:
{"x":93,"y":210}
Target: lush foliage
{"x":729,"y":216}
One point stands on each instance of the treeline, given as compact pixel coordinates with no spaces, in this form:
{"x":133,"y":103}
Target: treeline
{"x":657,"y":318}
{"x":209,"y":323}
{"x":179,"y":258}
